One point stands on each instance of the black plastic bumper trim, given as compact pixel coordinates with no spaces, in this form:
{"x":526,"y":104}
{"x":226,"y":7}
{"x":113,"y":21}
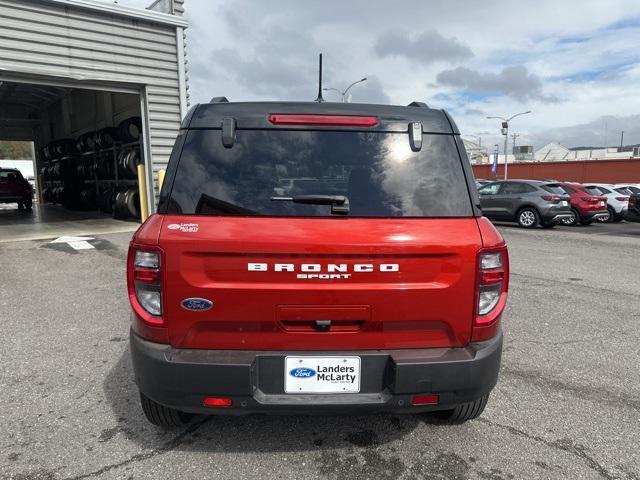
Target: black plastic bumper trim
{"x":181,"y":378}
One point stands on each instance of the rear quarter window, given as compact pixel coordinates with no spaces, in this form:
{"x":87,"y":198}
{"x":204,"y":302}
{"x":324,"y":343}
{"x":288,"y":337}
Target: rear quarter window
{"x":554,"y":188}
{"x":377,"y":171}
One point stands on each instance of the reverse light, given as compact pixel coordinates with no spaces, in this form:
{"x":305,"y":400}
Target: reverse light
{"x":147,"y":259}
{"x":217,"y":402}
{"x":323,"y":120}
{"x":150,"y":299}
{"x":490,"y":261}
{"x":488,"y":297}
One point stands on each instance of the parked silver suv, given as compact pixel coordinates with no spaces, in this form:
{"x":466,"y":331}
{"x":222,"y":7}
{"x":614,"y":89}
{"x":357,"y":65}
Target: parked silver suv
{"x":528,"y":202}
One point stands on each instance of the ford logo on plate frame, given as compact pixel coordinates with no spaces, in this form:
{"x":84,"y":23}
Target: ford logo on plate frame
{"x":302,"y":372}
{"x":196,"y":304}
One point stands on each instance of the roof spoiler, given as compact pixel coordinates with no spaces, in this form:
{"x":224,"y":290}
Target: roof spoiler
{"x":418,"y":104}
{"x":219,"y":100}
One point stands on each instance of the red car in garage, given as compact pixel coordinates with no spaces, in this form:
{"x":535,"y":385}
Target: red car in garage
{"x":15,"y":189}
{"x":586,"y":207}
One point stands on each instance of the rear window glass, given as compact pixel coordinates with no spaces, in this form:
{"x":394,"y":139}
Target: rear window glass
{"x":595,"y":190}
{"x":377,"y":171}
{"x":10,"y":175}
{"x":553,"y":188}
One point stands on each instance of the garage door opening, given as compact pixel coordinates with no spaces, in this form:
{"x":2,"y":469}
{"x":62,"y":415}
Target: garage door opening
{"x":88,"y":145}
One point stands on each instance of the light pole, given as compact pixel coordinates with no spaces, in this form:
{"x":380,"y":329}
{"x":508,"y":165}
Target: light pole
{"x":344,"y":93}
{"x":505,"y":132}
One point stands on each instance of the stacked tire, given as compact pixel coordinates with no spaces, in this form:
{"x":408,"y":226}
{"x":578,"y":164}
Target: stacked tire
{"x":59,"y":148}
{"x":130,"y":130}
{"x":127,"y":203}
{"x":54,"y":194}
{"x":73,"y":166}
{"x":128,"y":161}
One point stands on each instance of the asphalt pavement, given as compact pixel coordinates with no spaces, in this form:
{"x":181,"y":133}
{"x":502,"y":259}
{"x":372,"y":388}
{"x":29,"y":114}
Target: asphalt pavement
{"x":567,"y":404}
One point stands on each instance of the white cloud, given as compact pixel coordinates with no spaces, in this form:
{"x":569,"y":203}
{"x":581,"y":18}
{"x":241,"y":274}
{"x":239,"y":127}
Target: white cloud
{"x":582,"y":52}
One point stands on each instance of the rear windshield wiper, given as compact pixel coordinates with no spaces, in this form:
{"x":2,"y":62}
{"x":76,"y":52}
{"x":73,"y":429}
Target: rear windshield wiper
{"x":339,"y":203}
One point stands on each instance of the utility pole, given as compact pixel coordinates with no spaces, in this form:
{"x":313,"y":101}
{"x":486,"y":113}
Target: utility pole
{"x":513,"y":148}
{"x":621,"y":138}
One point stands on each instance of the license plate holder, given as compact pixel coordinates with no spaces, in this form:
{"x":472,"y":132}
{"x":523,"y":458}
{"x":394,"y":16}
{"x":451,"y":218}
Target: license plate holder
{"x":322,"y":374}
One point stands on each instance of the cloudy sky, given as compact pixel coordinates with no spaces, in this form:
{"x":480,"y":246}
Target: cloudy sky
{"x":575,"y":64}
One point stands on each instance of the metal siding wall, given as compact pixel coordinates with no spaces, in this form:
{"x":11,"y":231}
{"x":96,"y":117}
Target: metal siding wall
{"x":42,"y":38}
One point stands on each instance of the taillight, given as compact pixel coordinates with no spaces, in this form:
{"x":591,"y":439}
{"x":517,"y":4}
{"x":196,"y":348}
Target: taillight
{"x":323,"y":120}
{"x":551,"y":198}
{"x":588,"y":199}
{"x":622,"y":199}
{"x":491,"y":292}
{"x":632,"y":202}
{"x":144,"y":275}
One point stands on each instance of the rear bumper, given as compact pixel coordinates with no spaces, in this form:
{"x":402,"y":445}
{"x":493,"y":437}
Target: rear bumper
{"x":12,"y":198}
{"x":559,"y":217}
{"x":594,"y":214}
{"x":554,"y":214}
{"x":254,"y":380}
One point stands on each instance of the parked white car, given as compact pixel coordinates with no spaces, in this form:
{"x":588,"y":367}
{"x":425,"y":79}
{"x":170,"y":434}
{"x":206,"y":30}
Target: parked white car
{"x":630,"y":187}
{"x":617,"y":200}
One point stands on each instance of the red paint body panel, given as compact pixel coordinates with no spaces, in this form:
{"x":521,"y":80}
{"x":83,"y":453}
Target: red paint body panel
{"x":149,"y":231}
{"x":490,"y":236}
{"x":428,"y":302}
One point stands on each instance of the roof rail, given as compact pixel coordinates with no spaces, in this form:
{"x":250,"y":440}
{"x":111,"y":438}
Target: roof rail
{"x":219,"y":100}
{"x":418,"y":104}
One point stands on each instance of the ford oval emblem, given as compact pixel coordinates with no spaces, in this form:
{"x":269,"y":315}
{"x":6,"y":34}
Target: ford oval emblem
{"x":196,"y":304}
{"x":302,"y":372}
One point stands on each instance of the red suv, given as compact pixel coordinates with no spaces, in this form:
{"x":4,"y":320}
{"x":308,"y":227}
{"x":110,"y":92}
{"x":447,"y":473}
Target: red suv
{"x":586,"y":207}
{"x":315,"y":258}
{"x":15,"y":189}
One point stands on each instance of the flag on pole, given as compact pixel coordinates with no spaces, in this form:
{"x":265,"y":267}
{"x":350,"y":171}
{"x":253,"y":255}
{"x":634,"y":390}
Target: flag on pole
{"x":494,"y":167}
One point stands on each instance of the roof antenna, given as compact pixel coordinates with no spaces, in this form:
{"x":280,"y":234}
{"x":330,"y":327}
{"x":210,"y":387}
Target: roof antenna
{"x":320,"y":99}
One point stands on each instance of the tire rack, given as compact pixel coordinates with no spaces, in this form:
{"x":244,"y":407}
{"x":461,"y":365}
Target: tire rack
{"x":115,"y":150}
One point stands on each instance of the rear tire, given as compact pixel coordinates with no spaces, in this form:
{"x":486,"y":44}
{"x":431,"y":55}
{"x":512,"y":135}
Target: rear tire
{"x":20,"y":206}
{"x":547,"y":224}
{"x":161,"y":415}
{"x":610,"y":218}
{"x":528,"y":218}
{"x":459,"y":414}
{"x":28,"y":204}
{"x":573,"y":220}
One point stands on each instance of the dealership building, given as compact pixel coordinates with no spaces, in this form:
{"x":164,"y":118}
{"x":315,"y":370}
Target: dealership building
{"x":99,"y":89}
